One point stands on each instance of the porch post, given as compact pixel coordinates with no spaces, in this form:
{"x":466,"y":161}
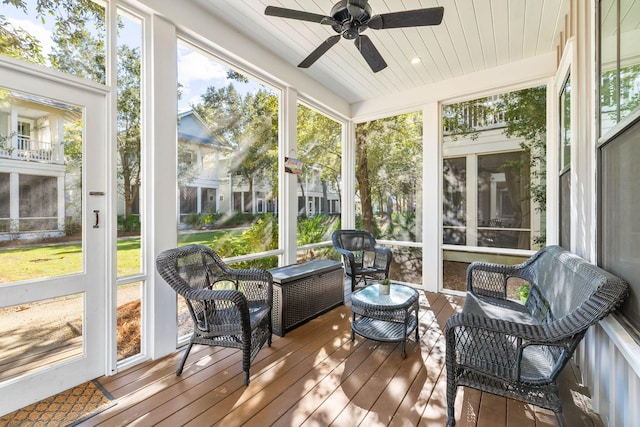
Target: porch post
{"x":160,"y":315}
{"x":14,"y":202}
{"x":13,"y":131}
{"x":288,"y":200}
{"x":431,"y":189}
{"x":348,"y":205}
{"x":60,"y":185}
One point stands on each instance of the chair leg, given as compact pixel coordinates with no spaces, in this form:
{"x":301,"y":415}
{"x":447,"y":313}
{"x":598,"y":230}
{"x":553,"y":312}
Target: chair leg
{"x":560,"y":419}
{"x":452,"y":389}
{"x":184,"y":359}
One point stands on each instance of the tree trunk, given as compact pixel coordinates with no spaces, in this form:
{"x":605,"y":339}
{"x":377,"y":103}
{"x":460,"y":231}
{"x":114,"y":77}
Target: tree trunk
{"x":364,"y":186}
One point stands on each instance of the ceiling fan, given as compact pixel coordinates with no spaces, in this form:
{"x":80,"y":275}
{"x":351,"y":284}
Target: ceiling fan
{"x":350,"y":18}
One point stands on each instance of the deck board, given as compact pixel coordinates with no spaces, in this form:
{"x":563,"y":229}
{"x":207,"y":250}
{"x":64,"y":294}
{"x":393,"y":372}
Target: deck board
{"x":316,"y":376}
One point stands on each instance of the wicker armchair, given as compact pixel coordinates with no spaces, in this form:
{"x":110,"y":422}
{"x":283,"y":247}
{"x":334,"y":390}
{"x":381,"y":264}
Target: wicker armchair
{"x":363,"y":258}
{"x":229,"y":308}
{"x":503,"y":347}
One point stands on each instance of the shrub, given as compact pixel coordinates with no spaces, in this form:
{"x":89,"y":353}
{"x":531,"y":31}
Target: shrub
{"x":313,"y":229}
{"x":128,"y":223}
{"x":72,"y":226}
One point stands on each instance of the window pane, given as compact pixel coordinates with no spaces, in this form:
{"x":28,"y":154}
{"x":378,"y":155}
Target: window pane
{"x":629,"y":57}
{"x":389,"y":177}
{"x":40,"y":334}
{"x":454,"y":213}
{"x":406,"y":264}
{"x":565,"y":209}
{"x":44,"y":205}
{"x":129,"y":255}
{"x":129,"y":319}
{"x":495,"y":196}
{"x":318,"y":190}
{"x":619,"y":61}
{"x":227,"y":157}
{"x":504,"y":200}
{"x":565,"y":125}
{"x":619,"y":223}
{"x":68,"y":35}
{"x":608,"y":68}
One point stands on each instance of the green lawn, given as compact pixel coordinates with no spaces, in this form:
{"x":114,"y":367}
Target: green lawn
{"x":34,"y":262}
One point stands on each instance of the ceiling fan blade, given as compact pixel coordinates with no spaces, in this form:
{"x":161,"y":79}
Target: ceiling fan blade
{"x":320,"y":50}
{"x":408,"y":18}
{"x":370,"y":53}
{"x":299,"y":15}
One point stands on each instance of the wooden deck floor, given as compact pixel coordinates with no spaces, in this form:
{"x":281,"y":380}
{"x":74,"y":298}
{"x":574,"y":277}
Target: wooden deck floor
{"x":315,"y":376}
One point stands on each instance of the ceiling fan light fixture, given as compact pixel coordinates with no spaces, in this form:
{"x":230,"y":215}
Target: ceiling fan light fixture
{"x":416,"y":60}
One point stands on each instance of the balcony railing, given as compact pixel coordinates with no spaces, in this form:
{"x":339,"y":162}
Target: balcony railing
{"x":477,"y":115}
{"x":29,"y":149}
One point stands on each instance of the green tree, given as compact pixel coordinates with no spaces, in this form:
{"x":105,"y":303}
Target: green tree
{"x":221,"y":110}
{"x":78,"y":36}
{"x":319,"y":147}
{"x":248,"y":124}
{"x":18,"y":43}
{"x":388,"y":157}
{"x":128,"y":136}
{"x":526,"y":117}
{"x":256,"y":151}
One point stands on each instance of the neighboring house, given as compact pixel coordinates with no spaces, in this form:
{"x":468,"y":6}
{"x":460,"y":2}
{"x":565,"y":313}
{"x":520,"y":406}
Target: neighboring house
{"x":487,"y":185}
{"x":203,"y":158}
{"x":32,"y":168}
{"x":208,"y":185}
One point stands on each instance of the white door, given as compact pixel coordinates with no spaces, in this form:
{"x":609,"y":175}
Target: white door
{"x":53,"y":287}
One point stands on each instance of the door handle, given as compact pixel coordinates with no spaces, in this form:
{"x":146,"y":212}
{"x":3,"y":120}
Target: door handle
{"x":97,"y":224}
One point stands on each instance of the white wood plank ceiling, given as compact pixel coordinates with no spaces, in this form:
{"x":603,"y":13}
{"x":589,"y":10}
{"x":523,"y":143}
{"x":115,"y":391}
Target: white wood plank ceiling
{"x":475,"y":35}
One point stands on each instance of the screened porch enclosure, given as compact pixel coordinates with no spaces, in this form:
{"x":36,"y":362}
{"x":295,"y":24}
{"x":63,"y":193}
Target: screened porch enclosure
{"x":498,"y":138}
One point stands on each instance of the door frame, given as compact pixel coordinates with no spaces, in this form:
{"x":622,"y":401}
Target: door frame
{"x":93,"y":280}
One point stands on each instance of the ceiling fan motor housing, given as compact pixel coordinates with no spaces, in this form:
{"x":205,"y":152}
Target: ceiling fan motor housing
{"x":350,"y":18}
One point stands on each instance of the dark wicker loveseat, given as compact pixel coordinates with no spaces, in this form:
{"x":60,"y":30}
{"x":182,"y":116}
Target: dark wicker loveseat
{"x":503,"y":347}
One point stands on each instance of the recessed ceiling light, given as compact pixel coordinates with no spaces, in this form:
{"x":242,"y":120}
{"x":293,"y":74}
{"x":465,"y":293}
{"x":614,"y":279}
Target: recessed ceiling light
{"x":416,"y":60}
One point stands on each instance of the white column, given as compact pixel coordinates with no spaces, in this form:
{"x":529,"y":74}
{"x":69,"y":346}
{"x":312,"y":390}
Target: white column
{"x":431,"y":196}
{"x":162,"y":192}
{"x":288,"y":201}
{"x":199,"y":199}
{"x":14,"y":201}
{"x":61,"y":205}
{"x":13,"y":131}
{"x":472,"y":200}
{"x":348,"y":205}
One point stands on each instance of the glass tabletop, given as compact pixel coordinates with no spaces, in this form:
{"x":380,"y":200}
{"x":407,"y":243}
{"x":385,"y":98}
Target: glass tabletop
{"x":398,"y":295}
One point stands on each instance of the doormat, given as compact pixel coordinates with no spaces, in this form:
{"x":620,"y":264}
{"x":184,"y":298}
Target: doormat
{"x":64,"y":409}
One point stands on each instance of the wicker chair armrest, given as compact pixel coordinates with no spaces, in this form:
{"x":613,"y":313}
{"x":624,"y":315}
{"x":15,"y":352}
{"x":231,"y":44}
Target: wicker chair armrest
{"x":386,"y":252}
{"x":348,"y":257}
{"x":543,"y":334}
{"x":236,"y":297}
{"x":383,"y":250}
{"x":257,"y":285}
{"x":489,"y":279}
